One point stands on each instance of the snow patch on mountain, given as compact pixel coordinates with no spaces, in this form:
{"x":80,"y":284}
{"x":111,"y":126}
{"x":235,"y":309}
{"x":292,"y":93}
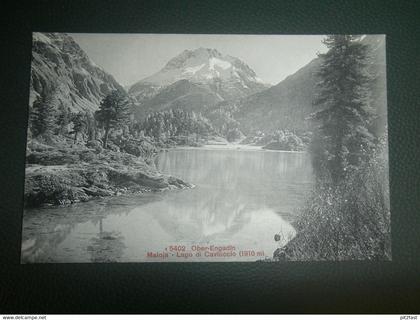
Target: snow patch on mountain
{"x":219,"y":63}
{"x":225,"y":75}
{"x":193,"y":70}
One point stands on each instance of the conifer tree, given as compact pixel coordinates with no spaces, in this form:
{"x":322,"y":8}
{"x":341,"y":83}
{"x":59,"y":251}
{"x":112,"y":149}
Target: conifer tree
{"x":113,"y":112}
{"x":43,"y":120}
{"x":63,"y":119}
{"x":90,"y":126}
{"x":79,"y":124}
{"x":343,"y":140}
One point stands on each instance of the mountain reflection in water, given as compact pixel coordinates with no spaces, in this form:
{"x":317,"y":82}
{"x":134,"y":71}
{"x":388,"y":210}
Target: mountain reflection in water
{"x":241,"y":198}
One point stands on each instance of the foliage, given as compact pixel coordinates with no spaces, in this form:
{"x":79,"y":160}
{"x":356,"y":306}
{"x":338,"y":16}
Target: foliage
{"x":166,"y":125}
{"x":114,"y":112}
{"x":138,"y":147}
{"x":343,"y":141}
{"x":234,"y":135}
{"x":42,"y":116}
{"x":346,"y":222}
{"x":54,"y":188}
{"x":63,"y":119}
{"x":91,"y":127}
{"x":223,"y":121}
{"x":348,"y":215}
{"x":285,"y":140}
{"x":279,"y":140}
{"x":79,"y":124}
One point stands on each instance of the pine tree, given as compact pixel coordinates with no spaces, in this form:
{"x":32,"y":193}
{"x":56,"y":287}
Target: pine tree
{"x":63,"y":119}
{"x":90,"y":126}
{"x":113,"y":112}
{"x":343,"y":140}
{"x":43,"y":113}
{"x":79,"y":124}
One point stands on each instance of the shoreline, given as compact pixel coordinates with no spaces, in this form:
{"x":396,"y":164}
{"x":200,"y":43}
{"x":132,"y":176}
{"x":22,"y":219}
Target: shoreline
{"x":232,"y":147}
{"x":62,"y":176}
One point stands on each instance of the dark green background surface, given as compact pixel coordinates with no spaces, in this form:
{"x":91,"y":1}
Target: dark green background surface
{"x":318,"y":287}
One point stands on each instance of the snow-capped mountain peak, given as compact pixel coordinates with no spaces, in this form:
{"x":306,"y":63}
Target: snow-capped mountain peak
{"x":201,"y":65}
{"x":205,"y":66}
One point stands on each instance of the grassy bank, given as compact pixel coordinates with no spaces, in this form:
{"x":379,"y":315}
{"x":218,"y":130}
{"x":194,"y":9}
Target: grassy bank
{"x":348,"y":222}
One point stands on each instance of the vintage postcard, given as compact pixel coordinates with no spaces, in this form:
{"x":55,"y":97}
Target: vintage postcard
{"x":206,"y":148}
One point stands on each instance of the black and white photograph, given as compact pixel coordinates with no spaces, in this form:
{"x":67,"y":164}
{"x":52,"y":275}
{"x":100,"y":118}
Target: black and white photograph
{"x":206,"y":148}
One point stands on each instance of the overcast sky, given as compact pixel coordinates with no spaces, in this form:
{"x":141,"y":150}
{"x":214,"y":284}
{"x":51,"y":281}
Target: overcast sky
{"x":132,"y":57}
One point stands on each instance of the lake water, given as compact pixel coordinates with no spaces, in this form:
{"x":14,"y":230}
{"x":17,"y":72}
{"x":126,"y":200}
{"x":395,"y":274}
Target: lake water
{"x":241,"y":200}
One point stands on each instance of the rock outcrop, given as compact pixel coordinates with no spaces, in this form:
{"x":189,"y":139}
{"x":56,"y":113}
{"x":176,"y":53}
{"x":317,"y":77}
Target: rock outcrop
{"x":67,"y":175}
{"x":61,"y":70}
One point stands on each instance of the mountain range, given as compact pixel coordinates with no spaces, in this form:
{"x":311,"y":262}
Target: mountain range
{"x":206,"y":81}
{"x":203,"y":80}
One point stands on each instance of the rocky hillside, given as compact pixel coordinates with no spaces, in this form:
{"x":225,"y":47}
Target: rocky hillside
{"x":196,"y":79}
{"x":283,"y":106}
{"x":62,"y":69}
{"x":287,"y":104}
